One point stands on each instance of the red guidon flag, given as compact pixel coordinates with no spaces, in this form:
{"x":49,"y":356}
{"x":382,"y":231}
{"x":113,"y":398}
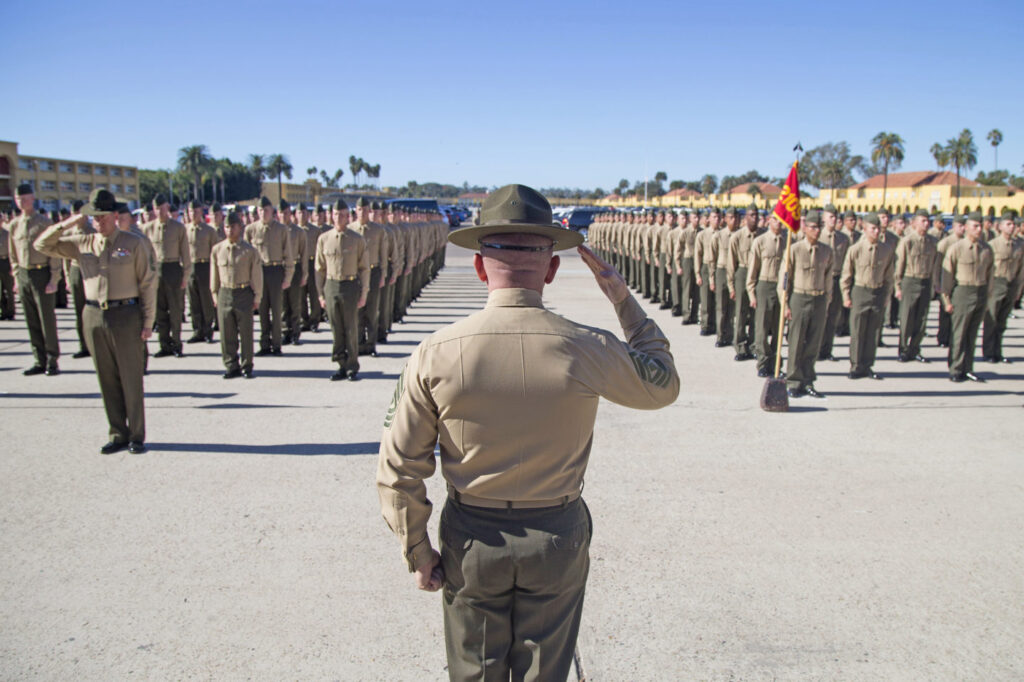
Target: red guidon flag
{"x":787,"y":210}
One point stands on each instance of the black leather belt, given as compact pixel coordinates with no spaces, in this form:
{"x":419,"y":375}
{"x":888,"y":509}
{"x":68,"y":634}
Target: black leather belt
{"x":38,"y":267}
{"x":105,"y":305}
{"x":273,"y":262}
{"x":201,"y":260}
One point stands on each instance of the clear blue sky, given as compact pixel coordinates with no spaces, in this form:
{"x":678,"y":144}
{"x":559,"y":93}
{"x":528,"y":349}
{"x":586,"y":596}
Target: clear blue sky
{"x":544,"y":93}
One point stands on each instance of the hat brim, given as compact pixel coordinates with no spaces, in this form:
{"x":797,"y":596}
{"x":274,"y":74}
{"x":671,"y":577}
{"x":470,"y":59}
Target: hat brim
{"x":91,"y":210}
{"x":469,"y":237}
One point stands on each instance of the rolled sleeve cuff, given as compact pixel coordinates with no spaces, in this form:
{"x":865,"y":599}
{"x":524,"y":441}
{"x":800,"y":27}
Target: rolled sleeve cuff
{"x":417,"y":554}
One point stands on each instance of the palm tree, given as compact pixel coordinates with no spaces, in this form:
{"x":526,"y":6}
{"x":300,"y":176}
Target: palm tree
{"x":373,"y":172}
{"x":708,"y":184}
{"x":995,"y":136}
{"x":220,"y":172}
{"x":278,"y":164}
{"x":961,"y":152}
{"x":355,"y":165}
{"x":939,"y":154}
{"x":258,"y":168}
{"x":193,"y":161}
{"x":887,"y":149}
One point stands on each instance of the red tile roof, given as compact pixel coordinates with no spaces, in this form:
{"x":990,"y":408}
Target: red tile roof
{"x":914,"y":179}
{"x":612,"y":197}
{"x":765,"y":187}
{"x":684,"y":193}
{"x":471,"y":196}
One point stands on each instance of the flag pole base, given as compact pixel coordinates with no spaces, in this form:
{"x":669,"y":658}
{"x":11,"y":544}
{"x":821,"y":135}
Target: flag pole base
{"x":774,"y":397}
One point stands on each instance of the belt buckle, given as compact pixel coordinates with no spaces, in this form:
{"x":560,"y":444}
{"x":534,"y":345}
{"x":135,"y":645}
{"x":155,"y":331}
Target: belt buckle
{"x":104,"y":305}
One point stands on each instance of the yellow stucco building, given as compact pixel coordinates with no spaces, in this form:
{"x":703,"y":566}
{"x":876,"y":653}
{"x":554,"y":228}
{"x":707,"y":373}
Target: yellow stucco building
{"x":934,"y":191}
{"x":59,"y":182}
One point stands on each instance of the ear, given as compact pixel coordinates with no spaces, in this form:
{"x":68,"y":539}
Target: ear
{"x":478,"y":265}
{"x":552,"y":269}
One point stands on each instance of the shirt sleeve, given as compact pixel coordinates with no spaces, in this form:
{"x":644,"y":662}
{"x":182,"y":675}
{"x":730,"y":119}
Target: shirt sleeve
{"x":256,"y":278}
{"x":145,"y":275}
{"x":53,"y":246}
{"x":321,"y":267}
{"x":214,"y":275}
{"x":186,"y":255}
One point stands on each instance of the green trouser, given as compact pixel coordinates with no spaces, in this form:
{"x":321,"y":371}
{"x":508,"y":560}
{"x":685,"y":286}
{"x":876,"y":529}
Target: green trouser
{"x":664,"y":292}
{"x":805,"y":330}
{"x":766,"y":325}
{"x":945,"y":322}
{"x":723,"y":304}
{"x":77,"y":287}
{"x":6,"y":290}
{"x":866,"y":315}
{"x":200,"y":301}
{"x":40,"y":317}
{"x":234,"y":314}
{"x":342,"y":299}
{"x":369,"y":314}
{"x":916,"y":298}
{"x":170,"y":304}
{"x":645,"y":277}
{"x":968,"y":312}
{"x":271,"y":307}
{"x":399,"y":309}
{"x":383,"y":309}
{"x":676,"y":291}
{"x":312,"y":314}
{"x":831,"y":321}
{"x":707,"y":300}
{"x":113,"y":338}
{"x":744,"y":333}
{"x":292,"y":312}
{"x":689,"y":293}
{"x":843,"y":326}
{"x":997,"y":312}
{"x":513,"y":590}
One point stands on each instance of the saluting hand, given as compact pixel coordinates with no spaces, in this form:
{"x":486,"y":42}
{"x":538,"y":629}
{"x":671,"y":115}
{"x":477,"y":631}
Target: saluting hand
{"x":610,"y":281}
{"x":430,"y":576}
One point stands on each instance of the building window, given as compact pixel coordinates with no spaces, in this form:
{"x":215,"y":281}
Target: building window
{"x":67,"y":168}
{"x":84,"y":168}
{"x":46,"y":165}
{"x":101,"y":185}
{"x":84,"y":187}
{"x":24,"y":164}
{"x":49,"y":185}
{"x":129,"y":189}
{"x":129,"y":173}
{"x":115,"y":172}
{"x":115,"y":188}
{"x":101,"y":170}
{"x":67,"y":186}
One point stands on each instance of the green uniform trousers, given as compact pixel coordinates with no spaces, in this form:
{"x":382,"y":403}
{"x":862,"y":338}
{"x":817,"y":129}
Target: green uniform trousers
{"x":170,"y":304}
{"x":723,"y":306}
{"x":766,"y":325}
{"x":77,"y":287}
{"x":689,"y":293}
{"x":835,"y":307}
{"x":6,"y":290}
{"x":342,"y":299}
{"x":805,"y":329}
{"x":40,"y":317}
{"x":743,"y":336}
{"x":369,"y":314}
{"x":400,"y":287}
{"x":707,"y":300}
{"x":968,"y":312}
{"x":997,"y":312}
{"x":514,"y":587}
{"x":866,"y":315}
{"x":292,"y":299}
{"x":271,"y":307}
{"x":917,"y":298}
{"x":200,"y":301}
{"x":945,"y":323}
{"x":387,"y":304}
{"x":114,"y":339}
{"x":234,"y":315}
{"x":664,"y":281}
{"x":312,"y":313}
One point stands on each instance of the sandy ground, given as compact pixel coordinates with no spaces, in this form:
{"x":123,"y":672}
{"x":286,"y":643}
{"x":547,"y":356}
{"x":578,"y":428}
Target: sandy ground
{"x":875,"y":535}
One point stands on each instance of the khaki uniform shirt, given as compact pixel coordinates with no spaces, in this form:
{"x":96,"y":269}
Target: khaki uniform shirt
{"x":342,"y":256}
{"x":766,"y":255}
{"x":24,"y":230}
{"x":201,"y":238}
{"x":273,"y":241}
{"x":868,"y":265}
{"x":739,"y":253}
{"x":311,"y":233}
{"x":968,"y":264}
{"x":170,"y":242}
{"x":704,"y":252}
{"x":724,"y":236}
{"x":235,"y":266}
{"x":1009,"y":262}
{"x":112,"y":269}
{"x":839,"y":243}
{"x":395,"y":255}
{"x":373,"y":234}
{"x":5,"y":241}
{"x":510,"y":394}
{"x":916,"y":256}
{"x":137,"y":231}
{"x":85,"y":227}
{"x":298,"y":240}
{"x":808,"y":270}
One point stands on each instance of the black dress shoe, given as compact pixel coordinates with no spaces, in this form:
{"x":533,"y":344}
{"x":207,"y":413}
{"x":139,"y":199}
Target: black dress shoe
{"x":902,"y":358}
{"x":664,"y":306}
{"x":989,"y":358}
{"x":352,"y":376}
{"x":856,"y":375}
{"x":277,"y":351}
{"x":1005,"y":361}
{"x":262,"y":352}
{"x":676,"y":312}
{"x":720,"y":344}
{"x":178,"y":353}
{"x":829,"y":357}
{"x":286,"y":340}
{"x":81,"y":354}
{"x":338,"y":376}
{"x":210,"y":339}
{"x":136,"y":447}
{"x":52,"y":371}
{"x":763,"y":373}
{"x":872,"y":375}
{"x":796,"y":393}
{"x":305,"y":328}
{"x":811,"y":391}
{"x":232,"y":373}
{"x":163,"y":353}
{"x":882,"y":344}
{"x":295,"y":341}
{"x":195,"y":338}
{"x":33,"y":370}
{"x":974,"y":377}
{"x":113,"y":446}
{"x":957,"y":378}
{"x":921,"y":358}
{"x":247,"y":372}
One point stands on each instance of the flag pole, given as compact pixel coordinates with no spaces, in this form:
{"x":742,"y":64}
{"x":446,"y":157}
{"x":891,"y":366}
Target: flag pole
{"x":785,"y":285}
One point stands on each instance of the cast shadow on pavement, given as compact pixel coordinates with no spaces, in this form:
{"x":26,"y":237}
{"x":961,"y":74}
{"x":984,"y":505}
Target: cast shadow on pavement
{"x":279,"y":373}
{"x":924,"y":394}
{"x":300,"y":449}
{"x":96,"y":396}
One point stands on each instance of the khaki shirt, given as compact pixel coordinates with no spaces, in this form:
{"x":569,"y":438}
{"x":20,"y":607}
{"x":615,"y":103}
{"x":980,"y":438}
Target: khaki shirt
{"x":916,"y":256}
{"x":724,"y":236}
{"x":274,"y":243}
{"x":868,"y":265}
{"x":395,"y":254}
{"x":766,"y":255}
{"x":967,"y":263}
{"x":689,"y":237}
{"x":170,"y":242}
{"x":298,"y":241}
{"x":112,"y":269}
{"x":235,"y":266}
{"x":839,"y":243}
{"x":342,"y":256}
{"x":808,"y":270}
{"x":137,"y":231}
{"x":1008,"y":255}
{"x":5,"y":241}
{"x":703,"y":249}
{"x":24,"y":230}
{"x":83,"y":227}
{"x":510,"y":394}
{"x":201,"y":238}
{"x":739,"y":253}
{"x":312,"y":234}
